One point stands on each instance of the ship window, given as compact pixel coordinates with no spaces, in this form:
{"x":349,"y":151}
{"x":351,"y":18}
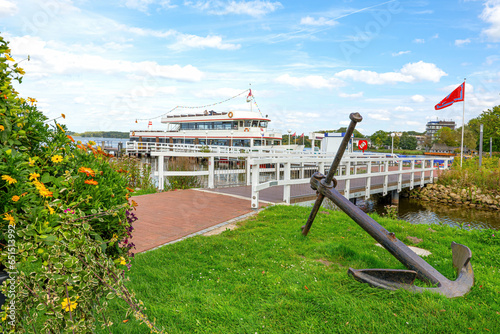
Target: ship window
{"x":263,"y":124}
{"x":248,"y":124}
{"x":255,"y":123}
{"x":241,"y":124}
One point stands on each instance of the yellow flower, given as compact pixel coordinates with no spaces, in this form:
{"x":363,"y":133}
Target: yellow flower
{"x":21,"y":71}
{"x":60,"y":127}
{"x":122,"y":261}
{"x":9,"y":179}
{"x":32,"y":162}
{"x":91,"y":142}
{"x":42,"y":189}
{"x":10,"y":219}
{"x":57,"y":158}
{"x":2,"y":128}
{"x":5,"y":316}
{"x":51,"y":211}
{"x":32,"y":100}
{"x":69,"y":305}
{"x":8,"y":57}
{"x":63,"y":116}
{"x":33,"y":176}
{"x":15,"y":198}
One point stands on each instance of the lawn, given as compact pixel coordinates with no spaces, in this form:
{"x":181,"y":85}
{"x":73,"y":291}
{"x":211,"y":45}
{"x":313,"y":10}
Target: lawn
{"x":265,"y":277}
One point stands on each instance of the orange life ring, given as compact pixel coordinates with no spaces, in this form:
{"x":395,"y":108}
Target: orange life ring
{"x":133,"y":134}
{"x":230,"y":115}
{"x":247,"y":129}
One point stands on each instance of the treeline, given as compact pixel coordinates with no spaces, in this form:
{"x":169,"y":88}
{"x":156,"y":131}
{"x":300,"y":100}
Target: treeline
{"x":101,"y":134}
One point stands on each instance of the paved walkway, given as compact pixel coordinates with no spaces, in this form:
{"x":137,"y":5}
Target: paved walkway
{"x":173,"y":215}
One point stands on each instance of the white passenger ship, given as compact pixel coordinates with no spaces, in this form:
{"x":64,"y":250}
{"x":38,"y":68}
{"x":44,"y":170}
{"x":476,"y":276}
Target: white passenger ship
{"x":233,"y":128}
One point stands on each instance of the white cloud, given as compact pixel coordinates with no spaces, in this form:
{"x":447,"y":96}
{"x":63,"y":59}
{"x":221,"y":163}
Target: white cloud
{"x":381,"y":115}
{"x":410,"y":72}
{"x":143,"y":5}
{"x":373,"y":78}
{"x":419,"y":40}
{"x":47,"y":59}
{"x":351,"y":96}
{"x":423,"y":71}
{"x":400,"y":53}
{"x":7,"y":8}
{"x":491,"y":15}
{"x":321,"y":21}
{"x":461,"y":42}
{"x":254,"y":8}
{"x":403,"y":109}
{"x":185,"y":41}
{"x":310,"y":81}
{"x":417,"y":98}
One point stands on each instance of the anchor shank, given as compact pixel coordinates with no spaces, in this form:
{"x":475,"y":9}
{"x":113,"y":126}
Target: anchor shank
{"x":355,"y":118}
{"x":397,"y":248}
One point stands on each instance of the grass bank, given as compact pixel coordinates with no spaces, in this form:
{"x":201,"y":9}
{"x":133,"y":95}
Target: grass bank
{"x":265,"y":277}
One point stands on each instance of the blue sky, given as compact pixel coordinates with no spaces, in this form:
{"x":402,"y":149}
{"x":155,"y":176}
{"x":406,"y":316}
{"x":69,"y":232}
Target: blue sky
{"x":105,"y":64}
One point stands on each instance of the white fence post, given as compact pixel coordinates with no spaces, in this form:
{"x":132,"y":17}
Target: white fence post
{"x":368,"y":180}
{"x":160,"y":172}
{"x":400,"y":176}
{"x":412,"y":177}
{"x":386,"y":177}
{"x":211,"y":172}
{"x":347,"y":187}
{"x":248,"y":169}
{"x":286,"y":187}
{"x":255,"y":183}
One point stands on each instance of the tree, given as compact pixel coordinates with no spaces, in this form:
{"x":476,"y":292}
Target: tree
{"x":408,"y":142}
{"x":491,"y":122}
{"x":378,"y":138}
{"x":447,"y":136}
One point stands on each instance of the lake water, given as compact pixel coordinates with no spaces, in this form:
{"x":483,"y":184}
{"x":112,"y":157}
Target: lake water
{"x":109,"y":142}
{"x":420,"y":212}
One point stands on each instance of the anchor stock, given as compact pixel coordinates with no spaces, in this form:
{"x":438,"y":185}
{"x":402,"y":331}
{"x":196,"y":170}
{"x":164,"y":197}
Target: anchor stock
{"x":390,"y":278}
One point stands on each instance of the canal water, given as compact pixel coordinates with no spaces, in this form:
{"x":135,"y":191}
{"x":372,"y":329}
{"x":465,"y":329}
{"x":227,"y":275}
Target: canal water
{"x":421,"y":212}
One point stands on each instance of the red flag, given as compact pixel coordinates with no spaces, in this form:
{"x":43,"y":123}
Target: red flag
{"x":456,"y":96}
{"x":249,"y":96}
{"x":302,"y":135}
{"x":294,"y":134}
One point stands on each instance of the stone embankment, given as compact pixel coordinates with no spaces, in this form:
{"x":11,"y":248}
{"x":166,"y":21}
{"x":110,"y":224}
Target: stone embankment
{"x":472,"y":197}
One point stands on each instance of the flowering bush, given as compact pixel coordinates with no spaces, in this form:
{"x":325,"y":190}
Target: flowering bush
{"x":65,"y":221}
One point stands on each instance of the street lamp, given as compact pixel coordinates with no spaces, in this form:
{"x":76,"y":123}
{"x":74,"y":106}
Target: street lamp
{"x":289,"y":131}
{"x":184,"y":136}
{"x":206,"y":138}
{"x":392,"y":149}
{"x":231,"y":143}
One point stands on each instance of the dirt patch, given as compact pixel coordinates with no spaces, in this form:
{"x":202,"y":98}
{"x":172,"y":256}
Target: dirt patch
{"x":219,"y":230}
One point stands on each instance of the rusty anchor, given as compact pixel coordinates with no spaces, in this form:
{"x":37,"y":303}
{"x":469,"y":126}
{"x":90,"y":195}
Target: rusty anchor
{"x":390,"y":279}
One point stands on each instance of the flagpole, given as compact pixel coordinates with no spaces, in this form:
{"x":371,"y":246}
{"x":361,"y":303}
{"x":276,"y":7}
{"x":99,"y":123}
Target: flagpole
{"x":463,"y":126}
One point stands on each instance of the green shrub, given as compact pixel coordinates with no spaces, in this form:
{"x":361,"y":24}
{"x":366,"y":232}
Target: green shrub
{"x":65,"y":224}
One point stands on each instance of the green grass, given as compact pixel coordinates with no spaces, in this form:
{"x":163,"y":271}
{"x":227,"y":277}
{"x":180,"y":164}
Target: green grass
{"x":265,"y":277}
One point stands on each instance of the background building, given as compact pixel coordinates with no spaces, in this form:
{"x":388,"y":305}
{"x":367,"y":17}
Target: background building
{"x":433,"y":127}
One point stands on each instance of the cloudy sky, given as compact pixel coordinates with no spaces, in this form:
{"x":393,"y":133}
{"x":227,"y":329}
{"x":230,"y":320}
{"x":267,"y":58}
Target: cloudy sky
{"x":309,"y":63}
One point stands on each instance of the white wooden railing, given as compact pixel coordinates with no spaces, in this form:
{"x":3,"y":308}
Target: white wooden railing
{"x":351,"y":168}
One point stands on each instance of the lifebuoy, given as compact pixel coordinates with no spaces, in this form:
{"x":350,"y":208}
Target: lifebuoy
{"x":247,"y":129}
{"x":133,"y":134}
{"x":230,"y":115}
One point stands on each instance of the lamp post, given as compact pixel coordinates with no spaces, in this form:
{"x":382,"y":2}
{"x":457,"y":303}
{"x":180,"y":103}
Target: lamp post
{"x":231,"y":143}
{"x":289,"y":131}
{"x":206,"y":138}
{"x":184,"y":136}
{"x":392,"y":148}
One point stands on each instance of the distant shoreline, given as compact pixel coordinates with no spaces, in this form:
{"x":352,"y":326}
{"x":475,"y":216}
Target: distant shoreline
{"x":101,"y":134}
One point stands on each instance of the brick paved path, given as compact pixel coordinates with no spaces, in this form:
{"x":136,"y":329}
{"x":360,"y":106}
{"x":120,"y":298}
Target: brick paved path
{"x":169,"y":216}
